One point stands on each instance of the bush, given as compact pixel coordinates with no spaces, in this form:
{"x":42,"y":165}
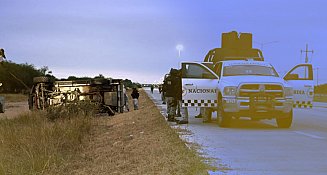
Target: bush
{"x":69,"y":110}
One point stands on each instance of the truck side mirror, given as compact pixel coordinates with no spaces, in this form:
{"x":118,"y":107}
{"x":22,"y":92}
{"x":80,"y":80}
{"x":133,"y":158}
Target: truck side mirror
{"x":291,"y":77}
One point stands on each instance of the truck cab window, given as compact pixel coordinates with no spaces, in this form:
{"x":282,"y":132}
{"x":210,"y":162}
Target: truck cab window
{"x":196,"y":71}
{"x":300,"y":73}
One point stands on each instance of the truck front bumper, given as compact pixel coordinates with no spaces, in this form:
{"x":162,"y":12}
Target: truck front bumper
{"x":248,"y":107}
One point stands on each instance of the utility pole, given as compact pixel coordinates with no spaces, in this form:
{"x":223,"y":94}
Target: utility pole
{"x":306,"y":53}
{"x":306,"y":56}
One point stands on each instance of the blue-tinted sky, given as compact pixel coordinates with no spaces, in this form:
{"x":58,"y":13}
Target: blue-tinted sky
{"x":137,"y":39}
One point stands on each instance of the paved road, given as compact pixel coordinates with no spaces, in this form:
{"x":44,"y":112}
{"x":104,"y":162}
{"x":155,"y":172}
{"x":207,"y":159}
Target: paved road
{"x":260,"y":148}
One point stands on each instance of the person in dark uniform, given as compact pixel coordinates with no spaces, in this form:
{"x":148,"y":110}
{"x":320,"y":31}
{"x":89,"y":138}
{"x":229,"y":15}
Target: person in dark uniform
{"x":152,"y":87}
{"x":163,"y":91}
{"x":169,"y":95}
{"x":135,"y":96}
{"x":181,"y":111}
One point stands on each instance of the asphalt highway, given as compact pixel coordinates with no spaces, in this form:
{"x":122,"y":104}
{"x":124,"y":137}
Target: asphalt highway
{"x":259,"y":147}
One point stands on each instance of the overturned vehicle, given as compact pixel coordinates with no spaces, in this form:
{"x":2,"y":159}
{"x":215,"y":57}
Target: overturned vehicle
{"x":107,"y":94}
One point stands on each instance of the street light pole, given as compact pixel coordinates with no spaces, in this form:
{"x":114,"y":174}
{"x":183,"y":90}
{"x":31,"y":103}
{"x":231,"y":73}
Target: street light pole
{"x":179,"y":48}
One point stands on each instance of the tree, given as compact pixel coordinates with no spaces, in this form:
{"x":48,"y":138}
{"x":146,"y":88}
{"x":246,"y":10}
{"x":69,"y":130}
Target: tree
{"x":13,"y":76}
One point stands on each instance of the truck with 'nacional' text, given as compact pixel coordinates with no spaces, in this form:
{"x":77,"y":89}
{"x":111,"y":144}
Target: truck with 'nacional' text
{"x":236,"y":82}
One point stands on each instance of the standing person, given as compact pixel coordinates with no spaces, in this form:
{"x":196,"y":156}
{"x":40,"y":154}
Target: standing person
{"x":2,"y":55}
{"x":169,"y":95}
{"x":135,"y":95}
{"x":163,"y":91}
{"x":181,"y":111}
{"x":152,"y":87}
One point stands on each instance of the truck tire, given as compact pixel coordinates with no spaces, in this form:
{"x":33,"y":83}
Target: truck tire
{"x":41,"y":80}
{"x":207,"y":116}
{"x":223,"y":118}
{"x":285,"y":121}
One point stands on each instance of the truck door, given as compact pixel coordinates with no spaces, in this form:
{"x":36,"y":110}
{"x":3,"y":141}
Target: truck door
{"x":301,"y":79}
{"x":200,"y":86}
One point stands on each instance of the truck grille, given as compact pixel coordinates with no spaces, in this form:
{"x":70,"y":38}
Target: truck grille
{"x":248,"y":90}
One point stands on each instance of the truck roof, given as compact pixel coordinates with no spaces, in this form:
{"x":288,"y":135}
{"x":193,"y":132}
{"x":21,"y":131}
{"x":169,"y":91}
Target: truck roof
{"x":245,"y":62}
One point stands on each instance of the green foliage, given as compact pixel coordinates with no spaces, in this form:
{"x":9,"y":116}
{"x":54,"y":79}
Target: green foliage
{"x":24,"y":72}
{"x":321,"y":89}
{"x":99,"y":76}
{"x":128,"y":83}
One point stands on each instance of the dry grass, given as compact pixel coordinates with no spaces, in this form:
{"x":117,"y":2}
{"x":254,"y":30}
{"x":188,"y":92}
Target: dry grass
{"x":137,"y":142}
{"x":15,"y":97}
{"x":31,"y":144}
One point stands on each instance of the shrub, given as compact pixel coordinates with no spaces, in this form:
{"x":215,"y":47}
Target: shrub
{"x":69,"y":110}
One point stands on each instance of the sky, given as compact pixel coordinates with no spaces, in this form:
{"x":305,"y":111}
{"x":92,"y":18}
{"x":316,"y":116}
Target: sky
{"x":137,"y":39}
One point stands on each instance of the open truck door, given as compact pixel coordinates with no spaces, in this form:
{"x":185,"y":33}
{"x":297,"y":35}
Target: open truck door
{"x":301,"y":79}
{"x":200,"y":85}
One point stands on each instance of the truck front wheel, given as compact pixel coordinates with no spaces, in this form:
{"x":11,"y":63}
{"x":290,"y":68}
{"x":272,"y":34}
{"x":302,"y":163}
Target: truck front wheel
{"x":286,"y":120}
{"x":223,"y":118}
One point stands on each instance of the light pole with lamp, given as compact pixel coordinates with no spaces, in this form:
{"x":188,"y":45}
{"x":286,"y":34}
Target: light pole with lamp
{"x":179,"y":48}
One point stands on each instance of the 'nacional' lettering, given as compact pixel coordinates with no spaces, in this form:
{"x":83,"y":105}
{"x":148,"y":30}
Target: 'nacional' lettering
{"x":202,"y":91}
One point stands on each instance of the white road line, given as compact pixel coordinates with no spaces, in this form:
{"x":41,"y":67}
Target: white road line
{"x":309,"y":135}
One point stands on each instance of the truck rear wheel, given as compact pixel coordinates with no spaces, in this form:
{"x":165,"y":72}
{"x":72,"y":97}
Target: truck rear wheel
{"x":223,"y":118}
{"x":285,"y":121}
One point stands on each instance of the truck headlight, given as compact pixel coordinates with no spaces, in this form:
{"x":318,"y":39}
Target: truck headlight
{"x":288,"y":91}
{"x":230,"y":91}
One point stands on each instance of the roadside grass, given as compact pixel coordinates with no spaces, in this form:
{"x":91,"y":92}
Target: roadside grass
{"x":137,"y":142}
{"x":15,"y":97}
{"x":67,"y":140}
{"x":320,"y":99}
{"x":33,"y":144}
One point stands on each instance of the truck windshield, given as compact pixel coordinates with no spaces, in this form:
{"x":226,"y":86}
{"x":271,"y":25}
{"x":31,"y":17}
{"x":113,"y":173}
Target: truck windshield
{"x":236,"y":70}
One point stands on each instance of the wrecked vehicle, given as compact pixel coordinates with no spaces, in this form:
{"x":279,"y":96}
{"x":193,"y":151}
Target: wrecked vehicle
{"x":106,"y":93}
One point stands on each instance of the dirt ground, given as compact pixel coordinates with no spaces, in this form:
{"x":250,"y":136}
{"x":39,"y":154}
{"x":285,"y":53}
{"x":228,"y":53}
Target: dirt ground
{"x":14,"y":109}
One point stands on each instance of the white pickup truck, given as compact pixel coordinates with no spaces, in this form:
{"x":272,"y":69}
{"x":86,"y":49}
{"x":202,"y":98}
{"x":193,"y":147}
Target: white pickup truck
{"x":251,"y":89}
